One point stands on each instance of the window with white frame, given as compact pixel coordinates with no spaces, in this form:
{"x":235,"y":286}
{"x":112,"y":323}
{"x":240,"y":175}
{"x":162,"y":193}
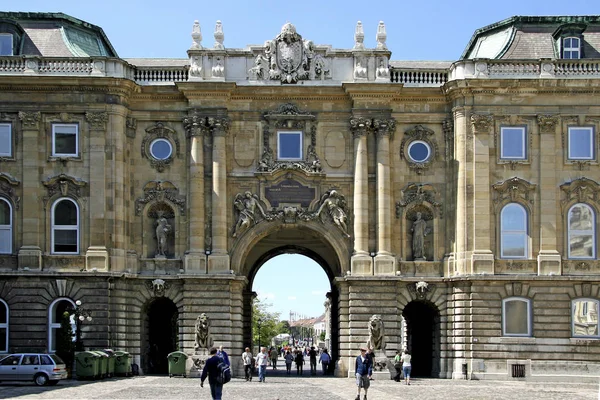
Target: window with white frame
{"x":513,"y":143}
{"x":6,"y":44}
{"x":514,"y":234}
{"x":585,"y":318}
{"x":65,"y":227}
{"x":65,"y":140}
{"x":3,"y":326}
{"x":6,"y":140}
{"x":55,"y":315}
{"x":289,"y":146}
{"x":571,"y":48}
{"x":582,"y":232}
{"x":5,"y":227}
{"x":516,"y":316}
{"x":581,"y":143}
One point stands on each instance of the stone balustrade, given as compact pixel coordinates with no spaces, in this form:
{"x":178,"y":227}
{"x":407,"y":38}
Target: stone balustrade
{"x":528,"y":69}
{"x":423,"y":78}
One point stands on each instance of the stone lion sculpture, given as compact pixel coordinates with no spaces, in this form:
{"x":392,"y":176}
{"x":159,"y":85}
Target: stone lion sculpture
{"x":203,"y":339}
{"x":376,"y":333}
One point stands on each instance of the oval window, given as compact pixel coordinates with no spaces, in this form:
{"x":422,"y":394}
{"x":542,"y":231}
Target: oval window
{"x":161,"y":149}
{"x":419,"y":151}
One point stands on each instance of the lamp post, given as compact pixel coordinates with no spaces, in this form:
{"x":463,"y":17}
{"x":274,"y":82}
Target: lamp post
{"x":258,"y":324}
{"x":80,"y":314}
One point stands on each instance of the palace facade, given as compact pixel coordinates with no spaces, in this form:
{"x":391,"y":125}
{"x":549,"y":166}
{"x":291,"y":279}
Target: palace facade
{"x":459,"y":201}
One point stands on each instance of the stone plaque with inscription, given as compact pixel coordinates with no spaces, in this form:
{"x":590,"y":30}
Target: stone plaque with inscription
{"x":290,"y":191}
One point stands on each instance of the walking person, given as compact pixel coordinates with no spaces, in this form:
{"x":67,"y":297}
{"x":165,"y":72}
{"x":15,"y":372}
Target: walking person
{"x":274,"y":357}
{"x":299,"y":362}
{"x":406,"y":366}
{"x":211,"y":370}
{"x":324,"y":359}
{"x":364,"y":368}
{"x":398,"y":366}
{"x":262,"y":359}
{"x":312,"y":353}
{"x":247,"y":361}
{"x":289,"y":359}
{"x":223,"y":354}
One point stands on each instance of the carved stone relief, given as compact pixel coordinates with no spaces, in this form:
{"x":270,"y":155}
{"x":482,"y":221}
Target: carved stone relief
{"x":582,"y":190}
{"x":419,"y":133}
{"x":64,"y":185}
{"x":160,"y":131}
{"x":30,"y":119}
{"x":420,"y":290}
{"x":158,"y":192}
{"x":158,"y":287}
{"x":548,"y":123}
{"x":416,"y":194}
{"x":513,"y":190}
{"x":8,"y":183}
{"x":97,"y":120}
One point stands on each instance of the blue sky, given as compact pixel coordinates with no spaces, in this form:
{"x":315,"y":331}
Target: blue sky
{"x":435,"y":30}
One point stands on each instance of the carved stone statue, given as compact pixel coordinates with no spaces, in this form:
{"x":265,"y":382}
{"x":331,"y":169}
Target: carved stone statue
{"x":383,"y":71}
{"x":196,"y":67}
{"x":203,"y":339}
{"x":218,"y":70}
{"x":219,"y":36}
{"x":334,"y":203}
{"x":162,"y":230}
{"x":360,"y":72}
{"x":258,"y":71}
{"x":376,"y":333}
{"x":359,"y":37}
{"x":246,"y":205}
{"x":419,"y":230}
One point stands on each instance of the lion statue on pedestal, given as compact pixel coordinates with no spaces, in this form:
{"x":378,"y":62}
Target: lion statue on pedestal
{"x":203,"y":339}
{"x":376,"y":333}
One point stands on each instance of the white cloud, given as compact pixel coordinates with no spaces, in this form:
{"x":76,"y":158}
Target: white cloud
{"x":292,"y":298}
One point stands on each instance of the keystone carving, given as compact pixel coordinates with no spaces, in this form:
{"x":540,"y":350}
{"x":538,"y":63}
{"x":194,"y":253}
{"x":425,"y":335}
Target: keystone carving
{"x":7,"y":188}
{"x":415,"y":195}
{"x":158,"y":192}
{"x":513,"y":190}
{"x":582,"y":190}
{"x":420,"y":290}
{"x":63,"y":185}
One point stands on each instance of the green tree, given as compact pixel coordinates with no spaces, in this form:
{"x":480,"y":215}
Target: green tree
{"x":266,"y":321}
{"x":322,"y":337}
{"x":65,"y":347}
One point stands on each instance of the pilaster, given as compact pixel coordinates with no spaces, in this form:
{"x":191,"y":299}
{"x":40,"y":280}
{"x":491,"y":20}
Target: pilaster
{"x":462,"y":190}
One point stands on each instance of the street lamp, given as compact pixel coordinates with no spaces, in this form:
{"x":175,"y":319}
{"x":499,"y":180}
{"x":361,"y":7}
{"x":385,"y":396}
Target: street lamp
{"x":258,"y":323}
{"x":80,"y":314}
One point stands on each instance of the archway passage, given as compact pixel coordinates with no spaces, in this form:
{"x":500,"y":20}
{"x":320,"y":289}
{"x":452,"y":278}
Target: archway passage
{"x":161,"y":333}
{"x":423,"y":338}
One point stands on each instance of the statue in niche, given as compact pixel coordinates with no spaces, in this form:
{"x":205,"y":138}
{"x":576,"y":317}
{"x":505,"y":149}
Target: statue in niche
{"x":383,"y":71}
{"x":334,"y":203}
{"x":218,"y":70}
{"x":360,"y":72}
{"x":203,"y":339}
{"x":246,"y":204}
{"x":162,"y":231}
{"x":419,"y":230}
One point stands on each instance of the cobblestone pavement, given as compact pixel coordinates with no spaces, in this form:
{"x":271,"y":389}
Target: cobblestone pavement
{"x":298,"y":388}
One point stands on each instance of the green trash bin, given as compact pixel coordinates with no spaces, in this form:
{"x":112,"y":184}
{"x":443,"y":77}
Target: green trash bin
{"x":86,"y":365}
{"x":102,"y":363}
{"x":110,"y":372}
{"x":122,"y":363}
{"x":177,"y":363}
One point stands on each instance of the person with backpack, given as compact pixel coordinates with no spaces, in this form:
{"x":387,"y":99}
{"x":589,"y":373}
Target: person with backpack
{"x":213,"y":370}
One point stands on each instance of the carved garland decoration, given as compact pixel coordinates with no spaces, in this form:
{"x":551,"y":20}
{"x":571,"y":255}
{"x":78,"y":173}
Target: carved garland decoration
{"x":7,"y":188}
{"x":159,"y":130}
{"x":158,"y":192}
{"x":513,"y":190}
{"x":417,"y":196}
{"x":419,"y":132}
{"x":582,"y":190}
{"x":288,"y":116}
{"x":64,"y":185}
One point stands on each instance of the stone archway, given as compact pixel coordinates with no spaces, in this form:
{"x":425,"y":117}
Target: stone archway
{"x":159,"y":335}
{"x":422,"y":337}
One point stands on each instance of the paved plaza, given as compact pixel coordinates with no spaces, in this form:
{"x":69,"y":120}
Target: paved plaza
{"x":295,"y":388}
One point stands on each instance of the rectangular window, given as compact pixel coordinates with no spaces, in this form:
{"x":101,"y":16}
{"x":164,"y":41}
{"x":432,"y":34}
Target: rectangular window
{"x":571,"y":48}
{"x":65,"y":241}
{"x":516,"y":318}
{"x":5,"y":140}
{"x":65,"y":140}
{"x":289,"y":146}
{"x":581,"y":143}
{"x":585,"y":318}
{"x":6,"y":44}
{"x":513,"y":143}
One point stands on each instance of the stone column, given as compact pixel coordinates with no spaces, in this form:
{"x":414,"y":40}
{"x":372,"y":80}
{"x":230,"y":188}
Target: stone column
{"x":385,"y":262}
{"x":482,"y":257}
{"x":361,"y":262}
{"x":549,"y":261}
{"x":462,"y":213}
{"x":30,"y":253}
{"x":218,"y":261}
{"x":96,"y":255}
{"x":327,"y":306}
{"x":195,"y":260}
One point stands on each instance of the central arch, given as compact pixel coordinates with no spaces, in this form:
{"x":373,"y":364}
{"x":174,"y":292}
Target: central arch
{"x":423,"y":337}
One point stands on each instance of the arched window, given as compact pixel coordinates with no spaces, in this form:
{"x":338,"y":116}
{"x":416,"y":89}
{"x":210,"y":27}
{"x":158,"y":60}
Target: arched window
{"x":5,"y":227}
{"x":516,"y":316}
{"x":55,"y":313}
{"x":3,"y":326}
{"x":65,"y":227}
{"x":585,"y":318}
{"x":582,"y":233}
{"x":513,"y":231}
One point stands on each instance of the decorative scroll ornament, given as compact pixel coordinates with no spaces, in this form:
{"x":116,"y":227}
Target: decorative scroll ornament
{"x":97,"y":120}
{"x":7,"y":188}
{"x":158,"y":192}
{"x":513,"y":190}
{"x":159,"y":130}
{"x":63,"y":185}
{"x":158,"y":286}
{"x":30,"y":119}
{"x":419,"y":132}
{"x":582,"y":190}
{"x":420,"y":289}
{"x":547,"y":123}
{"x":481,"y":123}
{"x":416,"y":195}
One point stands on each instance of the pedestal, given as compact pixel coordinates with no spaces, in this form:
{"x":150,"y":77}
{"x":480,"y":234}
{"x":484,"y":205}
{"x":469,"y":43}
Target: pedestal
{"x":96,"y":257}
{"x":30,"y":257}
{"x":195,"y":363}
{"x":385,"y":265}
{"x":218,"y":264}
{"x":549,"y":263}
{"x":482,"y":262}
{"x":361,"y":265}
{"x":194,"y":263}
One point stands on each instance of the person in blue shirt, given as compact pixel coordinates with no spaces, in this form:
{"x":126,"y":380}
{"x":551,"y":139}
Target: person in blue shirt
{"x":364,"y":369}
{"x":211,"y":370}
{"x":223,"y":354}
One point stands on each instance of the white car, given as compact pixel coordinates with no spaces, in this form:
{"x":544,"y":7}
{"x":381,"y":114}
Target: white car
{"x":42,"y":369}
